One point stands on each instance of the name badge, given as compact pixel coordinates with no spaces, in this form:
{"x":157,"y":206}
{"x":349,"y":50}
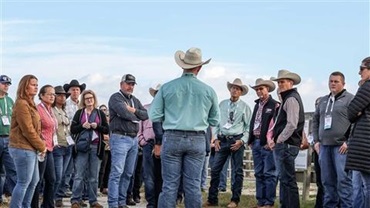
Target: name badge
{"x":227,"y":125}
{"x":94,"y":136}
{"x":328,"y":120}
{"x":70,"y":140}
{"x":5,"y":120}
{"x":55,"y":140}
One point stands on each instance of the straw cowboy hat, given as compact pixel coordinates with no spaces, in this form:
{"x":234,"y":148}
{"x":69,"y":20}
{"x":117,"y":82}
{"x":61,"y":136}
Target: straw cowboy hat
{"x":74,"y":83}
{"x":154,"y":90}
{"x":285,"y":74}
{"x":191,"y":59}
{"x":262,"y":82}
{"x":237,"y":82}
{"x":59,"y":90}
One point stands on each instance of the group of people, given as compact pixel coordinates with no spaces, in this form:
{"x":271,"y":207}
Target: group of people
{"x":67,"y":141}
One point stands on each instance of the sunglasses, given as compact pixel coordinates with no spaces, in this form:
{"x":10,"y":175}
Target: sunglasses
{"x":259,"y":89}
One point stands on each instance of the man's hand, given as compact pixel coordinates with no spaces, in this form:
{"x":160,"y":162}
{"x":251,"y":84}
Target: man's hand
{"x":93,"y":125}
{"x":271,"y":144}
{"x":217,"y":145}
{"x":157,"y":151}
{"x":131,"y":109}
{"x":238,"y":143}
{"x":343,"y":148}
{"x":317,"y":147}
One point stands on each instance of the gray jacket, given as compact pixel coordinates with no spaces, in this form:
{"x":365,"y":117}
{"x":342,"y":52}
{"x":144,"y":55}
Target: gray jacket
{"x":340,"y":126}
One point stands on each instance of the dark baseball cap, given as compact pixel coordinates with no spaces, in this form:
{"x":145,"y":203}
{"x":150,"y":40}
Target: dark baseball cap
{"x":5,"y":79}
{"x":128,"y":78}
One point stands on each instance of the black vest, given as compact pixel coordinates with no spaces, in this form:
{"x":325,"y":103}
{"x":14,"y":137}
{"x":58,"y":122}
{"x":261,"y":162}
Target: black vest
{"x":268,"y":113}
{"x":281,"y":121}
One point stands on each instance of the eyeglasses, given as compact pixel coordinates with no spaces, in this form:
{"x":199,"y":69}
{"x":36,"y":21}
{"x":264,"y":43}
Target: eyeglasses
{"x":259,"y":89}
{"x":103,"y":109}
{"x":50,"y":94}
{"x":89,"y":98}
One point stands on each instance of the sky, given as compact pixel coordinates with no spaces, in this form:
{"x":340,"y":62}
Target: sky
{"x":97,"y":42}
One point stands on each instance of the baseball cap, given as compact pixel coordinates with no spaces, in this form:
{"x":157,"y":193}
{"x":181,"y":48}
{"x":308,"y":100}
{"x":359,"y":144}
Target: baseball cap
{"x":5,"y":79}
{"x":128,"y":78}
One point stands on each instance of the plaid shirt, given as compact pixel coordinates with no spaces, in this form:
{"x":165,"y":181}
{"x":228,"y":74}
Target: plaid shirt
{"x":258,"y":119}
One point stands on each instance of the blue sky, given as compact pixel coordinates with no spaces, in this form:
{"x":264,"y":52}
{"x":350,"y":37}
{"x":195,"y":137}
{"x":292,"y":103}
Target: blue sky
{"x":97,"y":42}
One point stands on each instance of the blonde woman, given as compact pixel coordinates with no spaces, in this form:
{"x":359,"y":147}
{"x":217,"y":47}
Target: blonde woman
{"x":87,"y":160}
{"x":25,"y":142}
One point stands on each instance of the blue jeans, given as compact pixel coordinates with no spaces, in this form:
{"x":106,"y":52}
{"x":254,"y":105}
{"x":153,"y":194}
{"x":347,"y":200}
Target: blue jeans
{"x":366,"y":181}
{"x":182,"y":156}
{"x":67,"y":180}
{"x":203,"y":180}
{"x":62,"y":156}
{"x":124,"y":151}
{"x":26,"y":165}
{"x":150,"y":179}
{"x":336,"y":181}
{"x":265,"y":174}
{"x":7,"y":161}
{"x":223,"y":174}
{"x":86,"y":164}
{"x":358,"y":189}
{"x":237,"y":169}
{"x":285,"y":155}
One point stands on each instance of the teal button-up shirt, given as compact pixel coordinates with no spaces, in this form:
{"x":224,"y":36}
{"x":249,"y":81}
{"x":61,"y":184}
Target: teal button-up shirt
{"x":185,"y":103}
{"x":238,"y":115}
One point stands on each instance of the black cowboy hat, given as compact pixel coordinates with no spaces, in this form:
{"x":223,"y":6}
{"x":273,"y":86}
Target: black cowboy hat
{"x":74,"y":83}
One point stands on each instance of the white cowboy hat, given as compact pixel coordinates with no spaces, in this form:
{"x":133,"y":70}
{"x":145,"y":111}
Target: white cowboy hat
{"x":238,"y":82}
{"x":285,"y":74}
{"x":153,"y":90}
{"x":191,"y":59}
{"x":262,"y":82}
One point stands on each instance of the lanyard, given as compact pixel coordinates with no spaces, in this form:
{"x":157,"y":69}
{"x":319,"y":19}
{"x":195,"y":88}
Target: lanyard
{"x":6,"y":107}
{"x":50,"y":116}
{"x":132,"y":102}
{"x":331,"y":98}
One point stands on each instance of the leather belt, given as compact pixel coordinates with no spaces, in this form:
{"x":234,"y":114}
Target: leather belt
{"x":185,"y":132}
{"x":125,"y":133}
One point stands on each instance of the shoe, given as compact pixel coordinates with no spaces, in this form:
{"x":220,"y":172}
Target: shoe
{"x":59,"y":203}
{"x":104,"y":191}
{"x":232,"y":205}
{"x":130,"y":201}
{"x":137,"y":200}
{"x":67,"y":194}
{"x":222,"y":189}
{"x":83,"y":204}
{"x":179,"y":200}
{"x":123,"y":206}
{"x":203,"y":189}
{"x":75,"y":205}
{"x":209,"y":204}
{"x":96,"y":205}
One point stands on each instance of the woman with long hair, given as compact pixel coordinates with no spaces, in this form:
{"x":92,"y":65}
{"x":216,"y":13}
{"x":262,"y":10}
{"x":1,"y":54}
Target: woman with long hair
{"x":25,"y":142}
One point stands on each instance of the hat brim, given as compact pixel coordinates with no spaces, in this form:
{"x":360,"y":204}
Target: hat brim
{"x":266,"y":83}
{"x":243,"y":87}
{"x":292,"y":76}
{"x":152,"y":91}
{"x":67,"y":94}
{"x":67,"y":86}
{"x":179,"y":55}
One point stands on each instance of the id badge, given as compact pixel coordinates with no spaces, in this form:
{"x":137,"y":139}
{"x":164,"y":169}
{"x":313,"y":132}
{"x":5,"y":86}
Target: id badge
{"x":5,"y":120}
{"x":328,"y":120}
{"x":55,"y":140}
{"x":94,"y":136}
{"x":70,"y":140}
{"x":227,"y":125}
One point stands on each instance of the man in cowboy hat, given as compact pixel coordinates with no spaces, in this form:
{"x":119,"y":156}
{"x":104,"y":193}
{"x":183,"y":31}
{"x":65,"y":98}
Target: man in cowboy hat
{"x":287,"y":136}
{"x":150,"y":139}
{"x":6,"y":106}
{"x":331,"y":128}
{"x":263,"y":158}
{"x":74,"y":88}
{"x":186,"y":106}
{"x":232,"y":134}
{"x":126,"y":112}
